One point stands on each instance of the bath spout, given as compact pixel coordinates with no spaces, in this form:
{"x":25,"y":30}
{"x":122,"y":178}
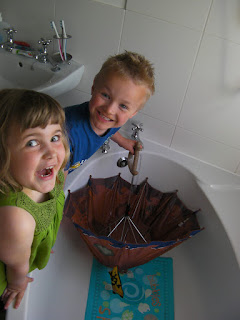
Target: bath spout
{"x":136,"y":129}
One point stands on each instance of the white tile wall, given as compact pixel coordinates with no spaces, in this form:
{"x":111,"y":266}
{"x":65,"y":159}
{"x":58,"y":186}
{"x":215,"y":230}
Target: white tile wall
{"x":95,"y":30}
{"x":224,"y":20}
{"x":30,"y":18}
{"x":73,"y":97}
{"x":154,"y":129}
{"x":207,"y":150}
{"x":237,"y":171}
{"x":173,"y":50}
{"x":188,"y":13}
{"x":212,"y":105}
{"x":116,"y":3}
{"x":194,"y":46}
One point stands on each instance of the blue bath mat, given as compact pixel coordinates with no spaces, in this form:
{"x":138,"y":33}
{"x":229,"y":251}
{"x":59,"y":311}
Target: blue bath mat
{"x":148,"y":293}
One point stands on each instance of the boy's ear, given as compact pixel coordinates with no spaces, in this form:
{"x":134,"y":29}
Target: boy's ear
{"x":92,"y":89}
{"x":93,"y":86}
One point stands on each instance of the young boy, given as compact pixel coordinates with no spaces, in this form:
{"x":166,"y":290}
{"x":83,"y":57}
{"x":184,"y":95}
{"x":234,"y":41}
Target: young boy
{"x":120,"y":89}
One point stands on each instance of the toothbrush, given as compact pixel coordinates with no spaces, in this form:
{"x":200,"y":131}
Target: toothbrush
{"x":55,"y":29}
{"x":52,"y":23}
{"x":60,"y":50}
{"x":62,"y":24}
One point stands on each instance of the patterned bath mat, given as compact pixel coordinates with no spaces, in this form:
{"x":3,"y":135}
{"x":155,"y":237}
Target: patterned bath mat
{"x":148,"y":293}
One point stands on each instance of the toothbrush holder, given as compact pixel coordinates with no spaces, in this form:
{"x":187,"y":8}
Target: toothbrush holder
{"x":62,"y":56}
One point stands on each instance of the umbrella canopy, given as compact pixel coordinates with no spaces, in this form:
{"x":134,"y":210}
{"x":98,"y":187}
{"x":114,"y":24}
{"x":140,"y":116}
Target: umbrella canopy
{"x":129,"y":226}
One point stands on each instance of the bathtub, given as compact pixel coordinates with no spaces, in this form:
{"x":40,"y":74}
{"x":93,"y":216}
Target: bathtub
{"x":206,"y":267}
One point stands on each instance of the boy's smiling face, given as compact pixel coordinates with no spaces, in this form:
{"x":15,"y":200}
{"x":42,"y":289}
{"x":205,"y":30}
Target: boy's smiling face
{"x":114,"y":100}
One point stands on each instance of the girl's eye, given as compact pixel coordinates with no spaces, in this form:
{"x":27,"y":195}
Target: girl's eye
{"x":32,"y":143}
{"x":55,"y":138}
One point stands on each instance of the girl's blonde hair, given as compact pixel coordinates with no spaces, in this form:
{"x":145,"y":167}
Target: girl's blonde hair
{"x":25,"y":109}
{"x":129,"y":65}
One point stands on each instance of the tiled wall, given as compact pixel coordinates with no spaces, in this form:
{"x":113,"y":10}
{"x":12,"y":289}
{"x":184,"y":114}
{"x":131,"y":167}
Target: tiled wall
{"x":194,"y":45}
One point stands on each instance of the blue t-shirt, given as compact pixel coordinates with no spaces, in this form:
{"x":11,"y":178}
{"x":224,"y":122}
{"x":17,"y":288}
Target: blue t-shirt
{"x":84,"y":142}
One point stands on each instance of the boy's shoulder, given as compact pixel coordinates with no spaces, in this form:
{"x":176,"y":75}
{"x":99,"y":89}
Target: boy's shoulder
{"x":77,"y":110}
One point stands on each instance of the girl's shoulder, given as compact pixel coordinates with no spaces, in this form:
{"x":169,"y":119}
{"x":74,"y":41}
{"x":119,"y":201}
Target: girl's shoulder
{"x":16,"y":233}
{"x":16,"y":220}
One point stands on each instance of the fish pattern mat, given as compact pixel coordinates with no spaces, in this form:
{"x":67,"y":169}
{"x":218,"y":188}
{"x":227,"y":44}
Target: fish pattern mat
{"x":147,"y":289}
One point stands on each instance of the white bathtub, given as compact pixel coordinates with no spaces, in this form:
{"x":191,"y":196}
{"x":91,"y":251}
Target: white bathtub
{"x":206,"y":267}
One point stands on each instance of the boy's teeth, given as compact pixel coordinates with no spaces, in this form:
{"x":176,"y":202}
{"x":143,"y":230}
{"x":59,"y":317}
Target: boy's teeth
{"x":105,"y":117}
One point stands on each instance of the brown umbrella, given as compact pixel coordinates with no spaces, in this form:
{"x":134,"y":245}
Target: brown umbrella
{"x":126,"y":225}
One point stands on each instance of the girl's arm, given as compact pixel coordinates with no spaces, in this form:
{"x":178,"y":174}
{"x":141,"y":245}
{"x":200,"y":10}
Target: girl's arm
{"x":16,"y":235}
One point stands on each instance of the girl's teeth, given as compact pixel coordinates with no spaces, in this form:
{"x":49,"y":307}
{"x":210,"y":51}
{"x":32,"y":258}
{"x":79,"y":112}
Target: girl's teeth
{"x":46,"y":172}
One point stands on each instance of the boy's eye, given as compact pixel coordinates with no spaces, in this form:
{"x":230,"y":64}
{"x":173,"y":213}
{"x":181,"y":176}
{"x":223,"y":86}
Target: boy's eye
{"x":55,"y":138}
{"x":123,"y":106}
{"x":105,"y":95}
{"x":32,"y":143}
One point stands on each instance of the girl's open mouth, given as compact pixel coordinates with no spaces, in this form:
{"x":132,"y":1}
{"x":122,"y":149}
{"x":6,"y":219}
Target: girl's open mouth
{"x":45,"y":172}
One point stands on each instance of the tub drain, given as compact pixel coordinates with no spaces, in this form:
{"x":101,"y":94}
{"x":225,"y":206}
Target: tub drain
{"x":122,"y":162}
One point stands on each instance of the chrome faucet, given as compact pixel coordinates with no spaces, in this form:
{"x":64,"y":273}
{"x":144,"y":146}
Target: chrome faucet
{"x":9,"y":44}
{"x":43,"y":56}
{"x":136,"y":129}
{"x":105,"y":147}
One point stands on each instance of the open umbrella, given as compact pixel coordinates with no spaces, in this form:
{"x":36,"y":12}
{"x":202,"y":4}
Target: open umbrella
{"x":125,"y":225}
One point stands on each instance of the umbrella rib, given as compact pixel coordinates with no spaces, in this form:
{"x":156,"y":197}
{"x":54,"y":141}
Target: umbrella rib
{"x":137,"y":229}
{"x":116,"y":226}
{"x":129,"y":222}
{"x":139,"y":200}
{"x":123,"y":228}
{"x":114,"y":194}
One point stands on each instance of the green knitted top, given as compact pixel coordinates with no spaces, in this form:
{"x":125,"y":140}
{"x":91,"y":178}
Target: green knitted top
{"x":47,"y":215}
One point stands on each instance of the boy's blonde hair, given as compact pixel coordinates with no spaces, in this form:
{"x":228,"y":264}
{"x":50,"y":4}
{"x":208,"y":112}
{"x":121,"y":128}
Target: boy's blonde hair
{"x":129,"y":65}
{"x":25,"y":109}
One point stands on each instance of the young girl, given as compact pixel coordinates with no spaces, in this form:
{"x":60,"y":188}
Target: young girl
{"x":33,"y":151}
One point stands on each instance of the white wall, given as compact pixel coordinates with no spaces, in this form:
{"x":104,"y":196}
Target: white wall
{"x":194,"y":45}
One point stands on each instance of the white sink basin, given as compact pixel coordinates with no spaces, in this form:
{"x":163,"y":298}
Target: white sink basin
{"x":18,"y":71}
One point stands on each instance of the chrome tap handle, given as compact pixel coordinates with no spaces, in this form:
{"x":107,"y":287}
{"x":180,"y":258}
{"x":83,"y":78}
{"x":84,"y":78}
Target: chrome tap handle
{"x":9,"y":44}
{"x":105,"y":147}
{"x":44,"y":43}
{"x":10,"y":32}
{"x":43,"y":55}
{"x":137,"y":127}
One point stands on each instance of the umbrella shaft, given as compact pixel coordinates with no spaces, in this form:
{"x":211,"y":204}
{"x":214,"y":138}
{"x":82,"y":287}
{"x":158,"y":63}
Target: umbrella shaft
{"x":129,"y":197}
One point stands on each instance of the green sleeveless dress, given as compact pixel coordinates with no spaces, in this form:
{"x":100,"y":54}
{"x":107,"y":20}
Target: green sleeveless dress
{"x":47,"y":215}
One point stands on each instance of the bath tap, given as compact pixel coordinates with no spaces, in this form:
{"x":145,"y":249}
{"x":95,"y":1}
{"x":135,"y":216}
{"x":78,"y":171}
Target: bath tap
{"x":136,"y":129}
{"x":105,"y":147}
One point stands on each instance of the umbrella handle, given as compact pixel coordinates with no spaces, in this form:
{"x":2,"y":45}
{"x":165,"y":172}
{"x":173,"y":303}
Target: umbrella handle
{"x":138,"y":147}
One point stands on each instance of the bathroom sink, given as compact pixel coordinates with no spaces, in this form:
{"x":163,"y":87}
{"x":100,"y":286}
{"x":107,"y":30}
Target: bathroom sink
{"x":18,"y":71}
